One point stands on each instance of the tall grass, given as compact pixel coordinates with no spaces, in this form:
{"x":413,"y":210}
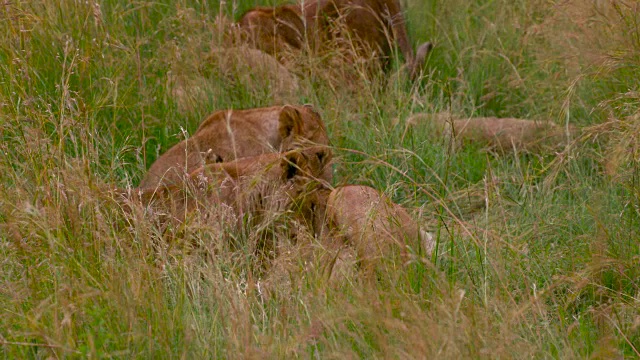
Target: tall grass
{"x":538,"y":253}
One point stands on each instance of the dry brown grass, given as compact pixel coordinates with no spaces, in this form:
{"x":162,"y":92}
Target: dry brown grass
{"x":538,"y":254}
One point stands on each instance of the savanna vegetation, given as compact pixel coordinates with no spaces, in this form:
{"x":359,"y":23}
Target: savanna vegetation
{"x":538,"y":254}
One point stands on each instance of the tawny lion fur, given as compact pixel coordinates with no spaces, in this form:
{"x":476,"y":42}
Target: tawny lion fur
{"x":498,"y":134}
{"x":233,"y":134}
{"x":255,"y":187}
{"x":369,"y":221}
{"x":367,"y":26}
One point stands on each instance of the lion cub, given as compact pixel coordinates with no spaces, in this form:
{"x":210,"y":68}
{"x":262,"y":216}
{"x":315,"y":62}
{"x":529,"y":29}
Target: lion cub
{"x":370,"y":222}
{"x":227,"y":135}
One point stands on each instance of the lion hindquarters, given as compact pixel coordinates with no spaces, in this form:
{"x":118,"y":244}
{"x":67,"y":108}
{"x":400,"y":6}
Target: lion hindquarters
{"x":373,"y":224}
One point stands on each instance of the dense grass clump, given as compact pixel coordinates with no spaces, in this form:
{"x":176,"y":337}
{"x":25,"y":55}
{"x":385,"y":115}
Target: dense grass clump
{"x":538,"y":254}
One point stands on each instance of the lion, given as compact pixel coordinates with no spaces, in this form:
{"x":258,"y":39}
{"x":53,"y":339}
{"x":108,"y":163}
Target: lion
{"x":369,"y":221}
{"x":274,"y":30}
{"x":232,"y":134}
{"x":315,"y":24}
{"x":244,"y":184}
{"x":501,"y":135}
{"x":251,"y":195}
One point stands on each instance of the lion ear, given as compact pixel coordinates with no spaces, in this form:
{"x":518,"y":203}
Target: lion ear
{"x":290,"y":122}
{"x":323,"y":155}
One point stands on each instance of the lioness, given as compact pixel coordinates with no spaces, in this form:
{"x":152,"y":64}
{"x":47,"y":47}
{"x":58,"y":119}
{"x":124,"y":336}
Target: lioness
{"x":498,"y":134}
{"x":254,"y":187}
{"x":252,"y":195}
{"x":232,"y":134}
{"x":371,"y":24}
{"x":371,"y":223}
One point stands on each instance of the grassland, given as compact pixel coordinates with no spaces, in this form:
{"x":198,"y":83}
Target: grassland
{"x":538,"y":257}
